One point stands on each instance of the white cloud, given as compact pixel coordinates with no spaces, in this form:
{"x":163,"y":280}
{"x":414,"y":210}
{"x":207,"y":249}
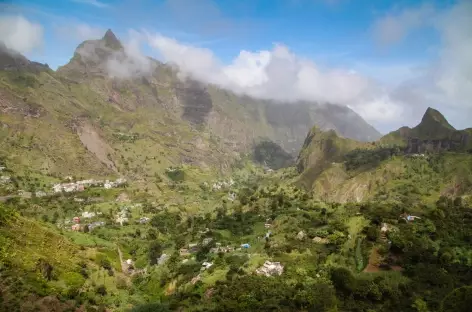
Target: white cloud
{"x":94,"y":3}
{"x":392,"y":28}
{"x":130,"y":62}
{"x":454,"y":69}
{"x":444,"y":82}
{"x":125,"y":63}
{"x":20,"y":34}
{"x":271,"y":74}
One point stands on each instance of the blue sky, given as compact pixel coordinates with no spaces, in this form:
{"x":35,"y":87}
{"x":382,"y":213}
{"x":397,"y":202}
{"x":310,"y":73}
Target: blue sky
{"x":390,"y":45}
{"x":332,"y":31}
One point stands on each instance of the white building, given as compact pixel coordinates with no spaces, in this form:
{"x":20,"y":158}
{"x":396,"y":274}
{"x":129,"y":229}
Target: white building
{"x":57,"y":188}
{"x":270,"y":268}
{"x":40,"y":194}
{"x":107,"y":185}
{"x":143,"y":220}
{"x":88,"y":215}
{"x":4,"y":179}
{"x":206,"y":265}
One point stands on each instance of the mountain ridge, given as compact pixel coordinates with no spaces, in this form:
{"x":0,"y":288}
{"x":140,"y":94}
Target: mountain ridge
{"x":343,"y":170}
{"x":189,"y":122}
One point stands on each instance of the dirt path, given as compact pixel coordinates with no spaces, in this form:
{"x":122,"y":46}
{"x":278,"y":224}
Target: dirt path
{"x":373,"y":265}
{"x":124,"y":266}
{"x":374,"y":261}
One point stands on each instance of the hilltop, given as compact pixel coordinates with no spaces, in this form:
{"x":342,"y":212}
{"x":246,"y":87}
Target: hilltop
{"x":430,"y":160}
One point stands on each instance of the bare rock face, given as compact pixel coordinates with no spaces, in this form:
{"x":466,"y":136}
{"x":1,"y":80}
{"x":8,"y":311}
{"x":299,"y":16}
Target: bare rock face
{"x":197,"y":102}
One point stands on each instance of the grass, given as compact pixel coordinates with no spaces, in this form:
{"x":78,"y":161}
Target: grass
{"x":87,"y":240}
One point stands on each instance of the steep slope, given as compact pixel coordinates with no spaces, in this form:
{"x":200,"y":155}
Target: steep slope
{"x":417,"y":164}
{"x":109,"y":112}
{"x":320,"y":151}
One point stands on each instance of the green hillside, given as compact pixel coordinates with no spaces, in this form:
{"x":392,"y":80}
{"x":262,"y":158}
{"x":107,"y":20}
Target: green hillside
{"x":408,"y":165}
{"x":81,"y":119}
{"x":215,"y":213}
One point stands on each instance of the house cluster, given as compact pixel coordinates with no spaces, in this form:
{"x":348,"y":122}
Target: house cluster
{"x":77,"y":226}
{"x":112,"y":184}
{"x":222,"y":249}
{"x":80,"y":186}
{"x":270,"y":268}
{"x":219,"y":185}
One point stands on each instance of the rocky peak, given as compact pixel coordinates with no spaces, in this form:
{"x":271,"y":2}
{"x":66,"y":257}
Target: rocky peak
{"x":434,"y":118}
{"x":433,"y":126}
{"x":111,"y":41}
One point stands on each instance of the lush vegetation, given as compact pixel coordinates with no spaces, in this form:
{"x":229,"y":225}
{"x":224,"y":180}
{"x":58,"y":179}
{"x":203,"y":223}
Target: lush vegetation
{"x":369,"y":158}
{"x":270,"y":154}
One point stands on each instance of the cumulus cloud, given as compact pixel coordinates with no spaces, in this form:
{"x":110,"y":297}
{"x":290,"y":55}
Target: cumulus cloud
{"x":20,"y":34}
{"x":393,"y":27}
{"x":276,"y":74}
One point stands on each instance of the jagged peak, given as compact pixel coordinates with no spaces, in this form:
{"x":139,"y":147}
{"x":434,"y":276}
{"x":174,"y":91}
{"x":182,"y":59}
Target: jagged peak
{"x":111,"y":40}
{"x":433,"y":117}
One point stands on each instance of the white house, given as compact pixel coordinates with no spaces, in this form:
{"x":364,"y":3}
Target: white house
{"x":270,"y":268}
{"x":206,"y":265}
{"x":88,"y":215}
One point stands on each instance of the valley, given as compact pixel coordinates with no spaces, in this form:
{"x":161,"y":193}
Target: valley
{"x":155,"y":193}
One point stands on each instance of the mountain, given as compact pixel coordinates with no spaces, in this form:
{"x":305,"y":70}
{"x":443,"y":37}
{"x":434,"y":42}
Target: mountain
{"x":430,"y":160}
{"x":432,"y":134}
{"x":109,"y":111}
